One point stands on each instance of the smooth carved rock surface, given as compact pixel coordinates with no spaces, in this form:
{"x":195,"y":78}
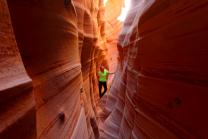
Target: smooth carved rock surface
{"x":61,"y":44}
{"x":113,"y":27}
{"x":17,"y":106}
{"x":160,"y":88}
{"x":49,"y":47}
{"x":92,"y":53}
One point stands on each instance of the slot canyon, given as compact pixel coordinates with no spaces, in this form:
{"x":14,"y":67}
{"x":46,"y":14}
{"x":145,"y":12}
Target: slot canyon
{"x":51,"y":52}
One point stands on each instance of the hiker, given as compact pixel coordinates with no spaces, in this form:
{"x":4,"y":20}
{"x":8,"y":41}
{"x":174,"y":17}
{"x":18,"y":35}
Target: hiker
{"x":103,"y":77}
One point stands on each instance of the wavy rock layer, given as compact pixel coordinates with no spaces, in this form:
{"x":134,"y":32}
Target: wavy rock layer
{"x":61,"y":44}
{"x":160,"y":88}
{"x":49,"y":47}
{"x":17,"y":105}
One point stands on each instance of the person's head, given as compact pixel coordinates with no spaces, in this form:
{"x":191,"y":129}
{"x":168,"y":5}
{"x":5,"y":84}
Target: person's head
{"x":102,"y":68}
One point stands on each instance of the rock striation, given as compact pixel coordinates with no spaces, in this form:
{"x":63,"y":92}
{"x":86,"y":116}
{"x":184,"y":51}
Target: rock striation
{"x":160,"y":88}
{"x":61,"y":44}
{"x":17,"y":105}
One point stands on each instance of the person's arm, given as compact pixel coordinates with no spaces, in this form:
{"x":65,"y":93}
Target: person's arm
{"x":111,"y":72}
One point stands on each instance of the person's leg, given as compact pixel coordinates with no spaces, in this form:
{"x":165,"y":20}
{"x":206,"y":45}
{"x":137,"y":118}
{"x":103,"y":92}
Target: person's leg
{"x":105,"y":88}
{"x":100,"y":89}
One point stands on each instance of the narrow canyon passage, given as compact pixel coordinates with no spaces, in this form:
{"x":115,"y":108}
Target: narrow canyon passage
{"x":51,"y":52}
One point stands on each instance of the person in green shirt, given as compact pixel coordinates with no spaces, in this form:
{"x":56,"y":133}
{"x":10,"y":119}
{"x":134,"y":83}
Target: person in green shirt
{"x":103,"y":77}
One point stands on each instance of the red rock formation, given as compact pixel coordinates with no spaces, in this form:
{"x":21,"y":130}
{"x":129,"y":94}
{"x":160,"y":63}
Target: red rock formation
{"x":17,"y":105}
{"x":112,"y":29}
{"x":92,"y":52}
{"x":160,"y":89}
{"x":46,"y":33}
{"x":55,"y":38}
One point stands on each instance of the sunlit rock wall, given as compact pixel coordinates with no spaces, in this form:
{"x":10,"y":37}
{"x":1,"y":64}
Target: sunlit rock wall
{"x":160,"y":88}
{"x":92,"y":54}
{"x":17,"y":105}
{"x":113,"y":27}
{"x":48,"y":41}
{"x":61,"y":46}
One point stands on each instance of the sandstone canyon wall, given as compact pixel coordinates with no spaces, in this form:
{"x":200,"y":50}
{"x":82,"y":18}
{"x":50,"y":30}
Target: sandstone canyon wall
{"x":17,"y":105}
{"x":60,"y":43}
{"x":113,"y":27}
{"x":160,"y":88}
